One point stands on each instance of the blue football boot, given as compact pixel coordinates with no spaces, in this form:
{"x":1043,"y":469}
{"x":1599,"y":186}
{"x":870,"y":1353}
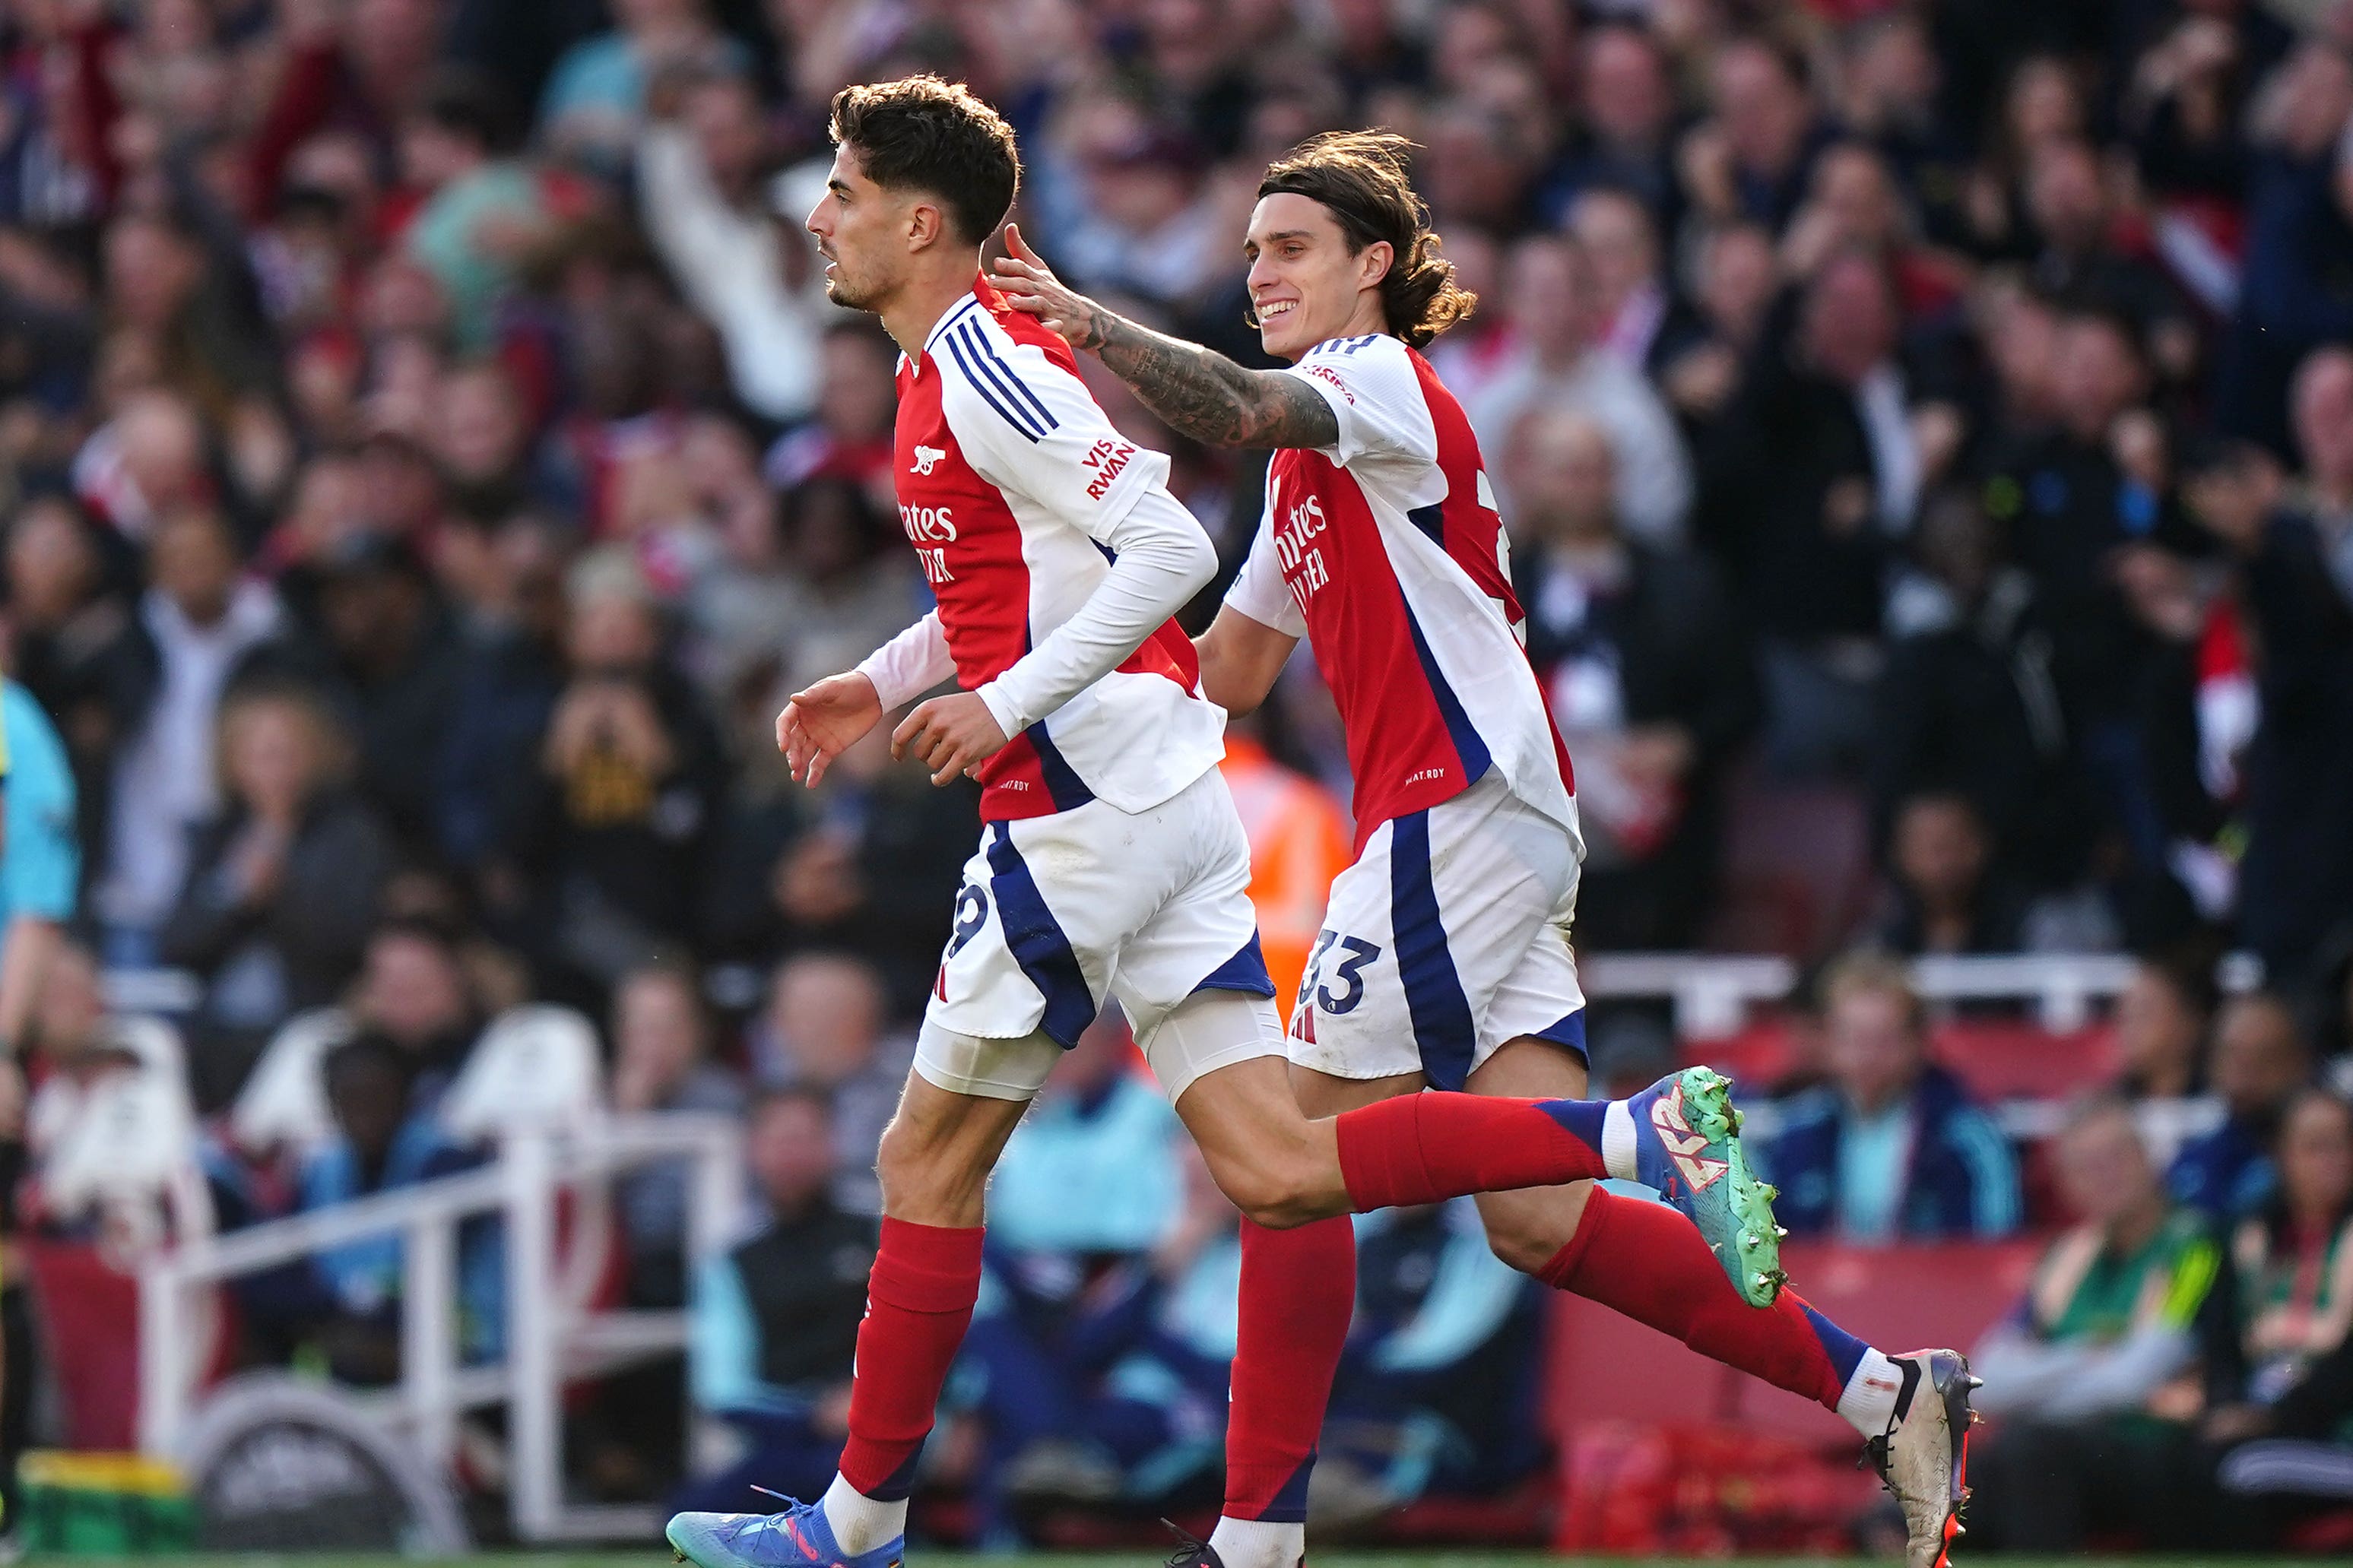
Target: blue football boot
{"x":797,"y":1538}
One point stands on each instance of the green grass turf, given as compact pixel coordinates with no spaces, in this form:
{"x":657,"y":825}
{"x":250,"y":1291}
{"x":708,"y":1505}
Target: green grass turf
{"x":656,"y":1557}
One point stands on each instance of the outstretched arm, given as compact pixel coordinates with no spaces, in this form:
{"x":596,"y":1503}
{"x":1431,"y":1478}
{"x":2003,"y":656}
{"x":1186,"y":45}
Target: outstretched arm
{"x":1199,"y":392}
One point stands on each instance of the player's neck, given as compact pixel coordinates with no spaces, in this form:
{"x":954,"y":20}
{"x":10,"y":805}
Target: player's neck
{"x":1366,"y":319}
{"x":910,"y":316}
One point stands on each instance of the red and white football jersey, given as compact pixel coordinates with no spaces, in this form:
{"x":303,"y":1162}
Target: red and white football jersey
{"x":1014,"y":489}
{"x":1386,"y":551}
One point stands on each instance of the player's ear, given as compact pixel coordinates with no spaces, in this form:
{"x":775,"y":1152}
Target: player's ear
{"x":1373,"y":263}
{"x":926,"y":223}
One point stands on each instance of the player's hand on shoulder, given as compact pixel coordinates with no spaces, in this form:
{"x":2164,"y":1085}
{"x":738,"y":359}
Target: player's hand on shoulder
{"x":820,"y":723}
{"x":1029,"y":284}
{"x":950,"y":735}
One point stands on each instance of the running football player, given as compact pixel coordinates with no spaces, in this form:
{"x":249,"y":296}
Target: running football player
{"x":1111,"y":862}
{"x":1444,"y":961}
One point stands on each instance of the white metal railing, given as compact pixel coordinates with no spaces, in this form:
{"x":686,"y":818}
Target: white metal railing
{"x":550,"y":1338}
{"x":1711,"y":994}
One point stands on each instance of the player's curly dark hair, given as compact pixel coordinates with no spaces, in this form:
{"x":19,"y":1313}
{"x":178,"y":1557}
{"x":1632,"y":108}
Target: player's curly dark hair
{"x":924,"y":133}
{"x":1363,"y":178}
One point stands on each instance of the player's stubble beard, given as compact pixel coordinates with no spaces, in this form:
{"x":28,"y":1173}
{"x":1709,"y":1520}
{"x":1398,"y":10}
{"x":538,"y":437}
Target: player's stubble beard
{"x":850,"y":294}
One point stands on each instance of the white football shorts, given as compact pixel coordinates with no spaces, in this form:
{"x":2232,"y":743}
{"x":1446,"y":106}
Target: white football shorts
{"x":1447,"y":937}
{"x":1060,"y":913}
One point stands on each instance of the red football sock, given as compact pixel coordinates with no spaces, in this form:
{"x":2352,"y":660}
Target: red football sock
{"x":1426,"y":1148}
{"x":1299,"y":1288}
{"x":1648,"y":1261}
{"x":919,"y":1302}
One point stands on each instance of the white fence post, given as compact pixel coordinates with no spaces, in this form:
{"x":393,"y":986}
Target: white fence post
{"x":535,"y":1481}
{"x":429,"y":1342}
{"x":163,"y":1371}
{"x":712,"y":1205}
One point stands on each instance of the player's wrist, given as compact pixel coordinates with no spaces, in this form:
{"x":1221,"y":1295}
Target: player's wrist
{"x":875,"y":671}
{"x":1002,"y":708}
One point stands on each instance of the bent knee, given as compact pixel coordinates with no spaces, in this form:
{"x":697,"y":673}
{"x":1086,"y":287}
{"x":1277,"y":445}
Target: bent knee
{"x":1528,"y":1229}
{"x":1277,"y":1193}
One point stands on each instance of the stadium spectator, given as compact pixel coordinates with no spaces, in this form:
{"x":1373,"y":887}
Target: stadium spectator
{"x":1645,"y":676}
{"x":661,"y":1061}
{"x":1636,"y":319}
{"x":1811,"y":474}
{"x":2162,"y":1017}
{"x":1299,"y":841}
{"x":2292,"y":298}
{"x":713,"y":212}
{"x":1938,"y":871}
{"x":2291,"y":1276}
{"x":600,"y":88}
{"x":195,"y":629}
{"x":2095,"y":1377}
{"x":1623,"y":142}
{"x":824,"y":1029}
{"x":283,"y":880}
{"x":381,"y":1143}
{"x":2298,"y":567}
{"x":414,"y":992}
{"x":480,"y":210}
{"x":1558,"y":365}
{"x":628,"y":783}
{"x":1967,"y":703}
{"x":2260,"y":1060}
{"x":850,"y":437}
{"x":1892,"y":1146}
{"x":1734,"y":274}
{"x":1750,"y":157}
{"x":775,"y":1319}
{"x":511,"y":673}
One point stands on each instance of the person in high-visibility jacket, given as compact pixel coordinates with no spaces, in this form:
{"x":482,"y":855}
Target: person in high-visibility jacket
{"x":1298,"y":843}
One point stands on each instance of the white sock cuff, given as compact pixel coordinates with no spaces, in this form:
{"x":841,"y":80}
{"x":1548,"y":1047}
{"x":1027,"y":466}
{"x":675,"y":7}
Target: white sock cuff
{"x":1869,"y":1402}
{"x":860,"y":1523}
{"x":1618,"y":1141}
{"x":1259,"y":1542}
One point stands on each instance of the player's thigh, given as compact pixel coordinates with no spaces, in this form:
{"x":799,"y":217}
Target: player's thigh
{"x":1190,"y":976}
{"x":1321,"y":1095}
{"x":1422,"y":931}
{"x":941,"y":1143}
{"x":1044,"y":909}
{"x":1277,"y":1166}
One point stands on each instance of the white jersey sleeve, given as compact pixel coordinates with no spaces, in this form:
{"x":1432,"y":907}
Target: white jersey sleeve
{"x":1259,"y":592}
{"x":1375,"y":395}
{"x":911,"y":663}
{"x":1032,"y":429}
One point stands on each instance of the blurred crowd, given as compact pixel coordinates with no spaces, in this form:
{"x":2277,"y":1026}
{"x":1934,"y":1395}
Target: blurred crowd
{"x":1925,"y":431}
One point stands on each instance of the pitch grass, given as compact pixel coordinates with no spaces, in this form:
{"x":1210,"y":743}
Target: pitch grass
{"x":659,"y":1556}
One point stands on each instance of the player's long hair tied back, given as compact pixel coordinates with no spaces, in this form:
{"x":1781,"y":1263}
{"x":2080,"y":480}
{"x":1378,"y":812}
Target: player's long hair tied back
{"x":1364,"y":178}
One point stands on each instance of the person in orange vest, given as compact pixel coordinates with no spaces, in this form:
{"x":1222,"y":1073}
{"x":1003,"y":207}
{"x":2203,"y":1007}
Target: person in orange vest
{"x":1299,"y":841}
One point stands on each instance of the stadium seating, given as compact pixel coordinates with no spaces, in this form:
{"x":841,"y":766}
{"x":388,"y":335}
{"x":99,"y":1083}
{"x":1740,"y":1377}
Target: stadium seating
{"x":1997,"y":1058}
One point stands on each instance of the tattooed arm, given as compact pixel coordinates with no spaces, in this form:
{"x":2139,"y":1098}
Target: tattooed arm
{"x":1199,"y":392}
